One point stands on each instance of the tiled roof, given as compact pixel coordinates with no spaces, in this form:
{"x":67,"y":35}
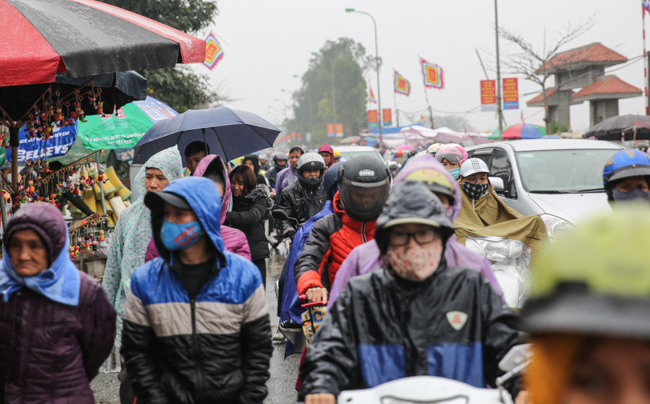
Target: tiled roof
{"x":608,"y":85}
{"x":540,"y":96}
{"x":595,"y":53}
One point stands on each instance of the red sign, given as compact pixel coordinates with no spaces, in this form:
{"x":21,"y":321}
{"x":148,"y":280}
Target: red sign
{"x":488,"y":95}
{"x":510,"y":93}
{"x":387,"y":116}
{"x":373,"y":119}
{"x":299,"y":135}
{"x":339,"y":130}
{"x":330,"y":129}
{"x":293,"y":135}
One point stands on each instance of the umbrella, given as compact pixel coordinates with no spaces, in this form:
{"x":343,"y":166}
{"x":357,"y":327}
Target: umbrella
{"x":520,"y":131}
{"x":617,"y":127}
{"x":370,"y":141}
{"x":352,"y":140}
{"x":405,"y":147}
{"x":227,"y":132}
{"x":84,"y":38}
{"x":124,"y":128}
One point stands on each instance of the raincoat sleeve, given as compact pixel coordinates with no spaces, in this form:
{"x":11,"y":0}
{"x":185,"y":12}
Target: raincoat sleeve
{"x":243,"y":219}
{"x":98,"y":319}
{"x":332,"y":362}
{"x":139,"y":351}
{"x":501,"y":333}
{"x":286,"y":204}
{"x":308,"y":267}
{"x":113,"y":272}
{"x":256,"y":347}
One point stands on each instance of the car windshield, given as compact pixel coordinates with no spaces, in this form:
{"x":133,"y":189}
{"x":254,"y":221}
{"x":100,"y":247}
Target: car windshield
{"x":563,"y":171}
{"x":354,"y":153}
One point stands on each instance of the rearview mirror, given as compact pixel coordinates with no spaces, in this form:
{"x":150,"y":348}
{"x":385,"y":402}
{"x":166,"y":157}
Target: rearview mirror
{"x":280,"y":214}
{"x":497,"y":183}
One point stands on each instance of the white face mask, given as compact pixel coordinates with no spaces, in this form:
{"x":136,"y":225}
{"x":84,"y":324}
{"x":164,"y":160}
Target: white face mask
{"x":415,"y":262}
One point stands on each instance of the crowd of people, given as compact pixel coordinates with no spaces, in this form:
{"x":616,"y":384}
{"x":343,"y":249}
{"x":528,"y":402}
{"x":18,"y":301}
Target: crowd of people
{"x":182,"y":309}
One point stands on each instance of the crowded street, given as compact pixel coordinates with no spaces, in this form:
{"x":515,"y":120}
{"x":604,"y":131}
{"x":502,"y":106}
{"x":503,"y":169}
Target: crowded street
{"x":324,"y":202}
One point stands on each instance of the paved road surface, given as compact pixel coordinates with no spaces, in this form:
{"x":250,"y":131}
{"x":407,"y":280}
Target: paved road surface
{"x":283,"y":372}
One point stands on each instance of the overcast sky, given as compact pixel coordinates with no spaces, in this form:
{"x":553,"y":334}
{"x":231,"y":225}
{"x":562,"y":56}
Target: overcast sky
{"x":266,"y":42}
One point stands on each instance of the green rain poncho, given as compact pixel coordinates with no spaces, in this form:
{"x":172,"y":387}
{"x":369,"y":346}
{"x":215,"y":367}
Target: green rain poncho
{"x":132,"y":235}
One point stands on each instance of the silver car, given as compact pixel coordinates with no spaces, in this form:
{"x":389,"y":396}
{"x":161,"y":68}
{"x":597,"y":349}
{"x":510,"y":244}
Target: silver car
{"x":559,"y":179}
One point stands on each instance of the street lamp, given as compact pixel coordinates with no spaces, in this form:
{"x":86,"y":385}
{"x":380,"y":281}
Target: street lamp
{"x":333,"y":93}
{"x":277,"y":113}
{"x":351,"y":10}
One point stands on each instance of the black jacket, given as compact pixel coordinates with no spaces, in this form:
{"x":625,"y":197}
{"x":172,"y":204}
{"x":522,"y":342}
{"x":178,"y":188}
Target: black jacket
{"x":301,"y":203}
{"x":383,"y":328}
{"x":249,"y":213}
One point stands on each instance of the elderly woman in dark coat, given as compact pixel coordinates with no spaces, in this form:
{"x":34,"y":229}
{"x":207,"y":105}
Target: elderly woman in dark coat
{"x":56,"y":324}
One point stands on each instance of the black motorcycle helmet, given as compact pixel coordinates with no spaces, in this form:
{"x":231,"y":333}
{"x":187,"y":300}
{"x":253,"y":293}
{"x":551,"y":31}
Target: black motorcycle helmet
{"x":280,"y":157}
{"x":364,"y":185}
{"x":311,"y":162}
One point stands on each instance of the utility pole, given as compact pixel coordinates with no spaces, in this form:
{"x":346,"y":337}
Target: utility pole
{"x":499,"y":106}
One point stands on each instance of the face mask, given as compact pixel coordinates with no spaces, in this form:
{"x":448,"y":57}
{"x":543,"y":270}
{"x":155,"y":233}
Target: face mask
{"x":455,"y":173}
{"x":415,"y":263}
{"x":181,"y":236}
{"x":474,"y":191}
{"x":631,"y":195}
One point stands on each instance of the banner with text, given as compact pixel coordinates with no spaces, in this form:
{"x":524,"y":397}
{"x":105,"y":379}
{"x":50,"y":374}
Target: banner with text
{"x":488,"y":95}
{"x":387,"y":117}
{"x":35,"y":149}
{"x":339,"y":130}
{"x":330,"y":130}
{"x":373,"y":120}
{"x":510,"y":93}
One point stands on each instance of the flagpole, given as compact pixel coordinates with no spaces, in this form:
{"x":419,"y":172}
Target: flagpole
{"x":396,"y":111}
{"x":426,"y":96}
{"x":645,"y":65}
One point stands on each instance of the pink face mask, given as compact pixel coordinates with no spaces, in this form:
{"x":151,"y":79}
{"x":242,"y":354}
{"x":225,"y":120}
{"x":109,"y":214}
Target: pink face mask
{"x":415,"y":262}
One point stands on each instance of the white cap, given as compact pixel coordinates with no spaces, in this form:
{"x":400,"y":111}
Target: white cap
{"x":473,"y":166}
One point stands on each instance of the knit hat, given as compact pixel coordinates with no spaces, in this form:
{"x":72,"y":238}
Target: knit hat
{"x":46,"y":221}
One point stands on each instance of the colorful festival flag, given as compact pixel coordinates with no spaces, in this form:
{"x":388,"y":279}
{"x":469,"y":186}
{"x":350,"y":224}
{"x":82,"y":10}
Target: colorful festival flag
{"x":432,"y":75}
{"x":213,"y":51}
{"x":371,"y":96}
{"x":646,"y":5}
{"x":402,"y":86}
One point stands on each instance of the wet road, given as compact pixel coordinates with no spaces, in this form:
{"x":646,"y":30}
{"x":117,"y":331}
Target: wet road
{"x":283,"y":372}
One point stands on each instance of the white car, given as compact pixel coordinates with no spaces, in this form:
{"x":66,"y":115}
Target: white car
{"x":559,"y":179}
{"x":347,"y":152}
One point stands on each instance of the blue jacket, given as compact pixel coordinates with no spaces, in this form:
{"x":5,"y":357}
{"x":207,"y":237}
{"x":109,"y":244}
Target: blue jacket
{"x":215,"y":348}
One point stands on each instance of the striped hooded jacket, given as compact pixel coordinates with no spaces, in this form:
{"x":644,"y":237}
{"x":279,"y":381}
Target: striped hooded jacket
{"x":215,"y":348}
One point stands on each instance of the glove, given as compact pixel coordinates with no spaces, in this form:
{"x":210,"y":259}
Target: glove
{"x":289,"y":232}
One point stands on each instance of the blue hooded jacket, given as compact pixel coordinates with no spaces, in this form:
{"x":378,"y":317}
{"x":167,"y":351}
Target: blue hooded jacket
{"x":215,"y":348}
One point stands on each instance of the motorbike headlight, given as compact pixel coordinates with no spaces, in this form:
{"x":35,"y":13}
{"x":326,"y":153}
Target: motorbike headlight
{"x":555,"y":225}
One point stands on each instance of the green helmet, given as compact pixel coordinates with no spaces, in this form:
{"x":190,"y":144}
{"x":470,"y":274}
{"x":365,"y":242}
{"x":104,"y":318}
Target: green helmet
{"x":594,"y":279}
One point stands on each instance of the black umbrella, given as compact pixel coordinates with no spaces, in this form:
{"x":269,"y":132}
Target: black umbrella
{"x":624,"y":127}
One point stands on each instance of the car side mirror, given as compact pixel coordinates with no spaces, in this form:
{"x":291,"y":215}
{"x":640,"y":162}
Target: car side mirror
{"x":280,"y":214}
{"x":497,"y":183}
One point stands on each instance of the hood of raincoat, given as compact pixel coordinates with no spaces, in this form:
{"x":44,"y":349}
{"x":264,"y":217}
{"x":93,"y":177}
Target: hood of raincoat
{"x":327,"y":148}
{"x":429,"y":162}
{"x":210,"y":161}
{"x":255,"y":160}
{"x":203,"y":197}
{"x":411,"y":202}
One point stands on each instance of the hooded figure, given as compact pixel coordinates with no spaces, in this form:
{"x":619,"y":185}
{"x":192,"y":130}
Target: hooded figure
{"x":133,"y":233}
{"x":417,"y":316}
{"x":366,"y":257}
{"x":234,"y":239}
{"x":213,"y":347}
{"x":56,"y":325}
{"x":326,"y":148}
{"x":261,"y":180}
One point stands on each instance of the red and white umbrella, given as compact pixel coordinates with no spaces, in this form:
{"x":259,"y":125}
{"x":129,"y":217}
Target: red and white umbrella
{"x":41,"y":38}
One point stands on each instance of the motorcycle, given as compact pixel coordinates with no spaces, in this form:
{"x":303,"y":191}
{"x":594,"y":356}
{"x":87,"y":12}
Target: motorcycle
{"x":438,"y":390}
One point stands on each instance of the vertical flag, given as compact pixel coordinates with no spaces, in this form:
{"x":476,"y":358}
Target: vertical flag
{"x":646,"y":5}
{"x":432,"y":75}
{"x":371,"y":95}
{"x":402,"y":86}
{"x":213,"y":51}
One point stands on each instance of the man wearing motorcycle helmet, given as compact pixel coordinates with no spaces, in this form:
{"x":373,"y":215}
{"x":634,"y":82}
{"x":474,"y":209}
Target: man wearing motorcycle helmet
{"x":364,"y":185}
{"x":306,"y":197}
{"x":279,"y":163}
{"x":418,"y":316}
{"x":588,"y":313}
{"x":626,"y":176}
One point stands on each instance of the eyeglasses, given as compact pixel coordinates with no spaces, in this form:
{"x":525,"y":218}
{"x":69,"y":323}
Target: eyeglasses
{"x":401,"y":238}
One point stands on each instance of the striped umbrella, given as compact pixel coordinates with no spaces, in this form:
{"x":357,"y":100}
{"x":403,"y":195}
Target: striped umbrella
{"x":520,"y":131}
{"x":84,"y":38}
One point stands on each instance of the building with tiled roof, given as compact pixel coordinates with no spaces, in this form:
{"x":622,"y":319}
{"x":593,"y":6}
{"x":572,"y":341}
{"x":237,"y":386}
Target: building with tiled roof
{"x":583,"y":68}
